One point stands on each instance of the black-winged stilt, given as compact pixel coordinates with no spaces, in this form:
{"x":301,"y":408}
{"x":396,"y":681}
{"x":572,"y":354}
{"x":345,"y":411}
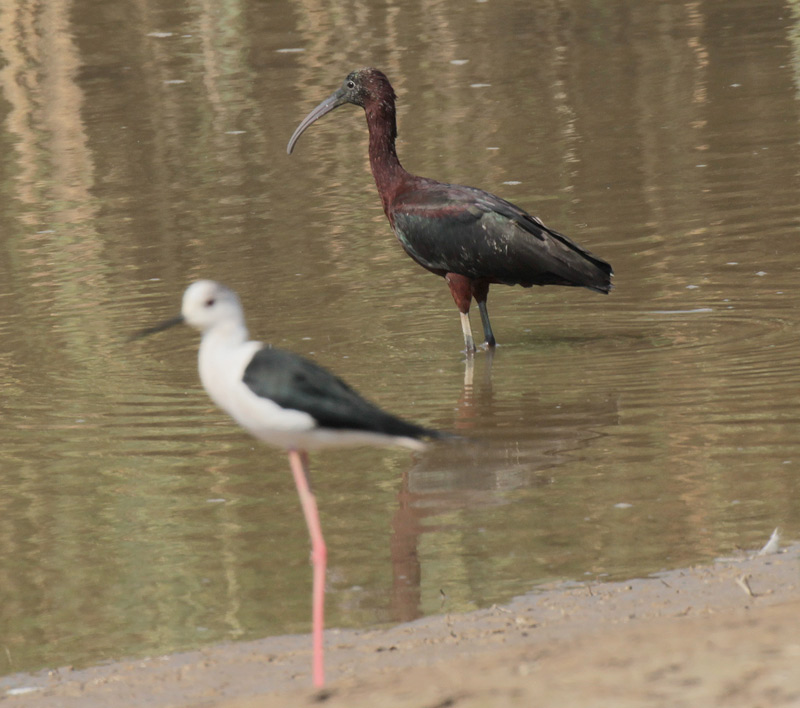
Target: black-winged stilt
{"x":286,"y":401}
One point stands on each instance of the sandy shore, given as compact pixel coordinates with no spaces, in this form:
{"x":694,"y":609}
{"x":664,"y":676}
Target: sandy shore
{"x":721,"y":635}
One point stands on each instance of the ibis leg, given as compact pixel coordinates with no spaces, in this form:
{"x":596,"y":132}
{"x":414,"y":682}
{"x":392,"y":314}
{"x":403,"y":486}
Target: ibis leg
{"x":469,"y":375}
{"x":461,"y":290}
{"x":469,"y":342}
{"x":487,"y":326}
{"x":298,"y":460}
{"x":480,"y":291}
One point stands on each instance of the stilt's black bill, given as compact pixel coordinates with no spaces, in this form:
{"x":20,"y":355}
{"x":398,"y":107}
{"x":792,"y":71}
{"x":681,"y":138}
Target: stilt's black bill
{"x":157,"y":328}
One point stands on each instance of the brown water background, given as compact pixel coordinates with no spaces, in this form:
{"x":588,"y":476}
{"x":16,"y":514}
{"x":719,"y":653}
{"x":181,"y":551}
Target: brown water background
{"x":143,"y":147}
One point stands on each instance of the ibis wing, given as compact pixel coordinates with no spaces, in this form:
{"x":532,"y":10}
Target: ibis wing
{"x":296,"y":383}
{"x":450,"y":228}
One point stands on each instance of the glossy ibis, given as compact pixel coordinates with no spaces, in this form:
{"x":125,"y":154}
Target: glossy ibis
{"x":468,"y":236}
{"x":286,"y":401}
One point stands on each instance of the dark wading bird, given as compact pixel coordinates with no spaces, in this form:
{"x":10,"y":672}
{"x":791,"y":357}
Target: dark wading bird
{"x":286,"y":401}
{"x":468,"y":236}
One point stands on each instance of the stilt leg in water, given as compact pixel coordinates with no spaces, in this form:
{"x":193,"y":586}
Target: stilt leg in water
{"x":298,"y":460}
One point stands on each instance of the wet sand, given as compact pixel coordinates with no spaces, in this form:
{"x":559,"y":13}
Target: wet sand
{"x":727,"y":634}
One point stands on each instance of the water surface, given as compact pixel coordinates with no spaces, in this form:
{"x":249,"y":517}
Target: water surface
{"x":144,"y":147}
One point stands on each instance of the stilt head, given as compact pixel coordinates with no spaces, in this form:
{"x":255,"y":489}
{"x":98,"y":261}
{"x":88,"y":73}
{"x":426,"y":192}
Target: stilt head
{"x":362,"y":87}
{"x":207,"y":304}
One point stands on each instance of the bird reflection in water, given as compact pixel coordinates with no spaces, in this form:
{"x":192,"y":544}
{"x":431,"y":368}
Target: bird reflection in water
{"x":517,"y":442}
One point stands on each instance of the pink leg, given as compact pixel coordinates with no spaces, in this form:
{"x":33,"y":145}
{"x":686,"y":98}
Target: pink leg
{"x":298,"y":460}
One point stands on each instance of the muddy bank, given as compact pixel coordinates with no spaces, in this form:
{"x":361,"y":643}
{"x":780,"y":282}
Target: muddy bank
{"x":726,"y":634}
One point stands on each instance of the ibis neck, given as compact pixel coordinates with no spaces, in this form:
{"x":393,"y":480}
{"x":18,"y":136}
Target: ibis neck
{"x":386,"y":168}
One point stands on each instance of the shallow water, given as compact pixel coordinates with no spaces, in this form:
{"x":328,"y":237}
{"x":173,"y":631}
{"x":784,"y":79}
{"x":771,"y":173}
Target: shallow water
{"x":144,"y":147}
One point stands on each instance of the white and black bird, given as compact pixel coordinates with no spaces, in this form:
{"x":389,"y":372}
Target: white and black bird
{"x":289,"y":402}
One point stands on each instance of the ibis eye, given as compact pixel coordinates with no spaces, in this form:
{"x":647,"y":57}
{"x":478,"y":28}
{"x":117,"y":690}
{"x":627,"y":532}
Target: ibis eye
{"x":351,"y":84}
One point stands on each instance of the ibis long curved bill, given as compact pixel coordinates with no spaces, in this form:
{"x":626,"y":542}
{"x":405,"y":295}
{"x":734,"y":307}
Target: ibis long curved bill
{"x":336,"y":99}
